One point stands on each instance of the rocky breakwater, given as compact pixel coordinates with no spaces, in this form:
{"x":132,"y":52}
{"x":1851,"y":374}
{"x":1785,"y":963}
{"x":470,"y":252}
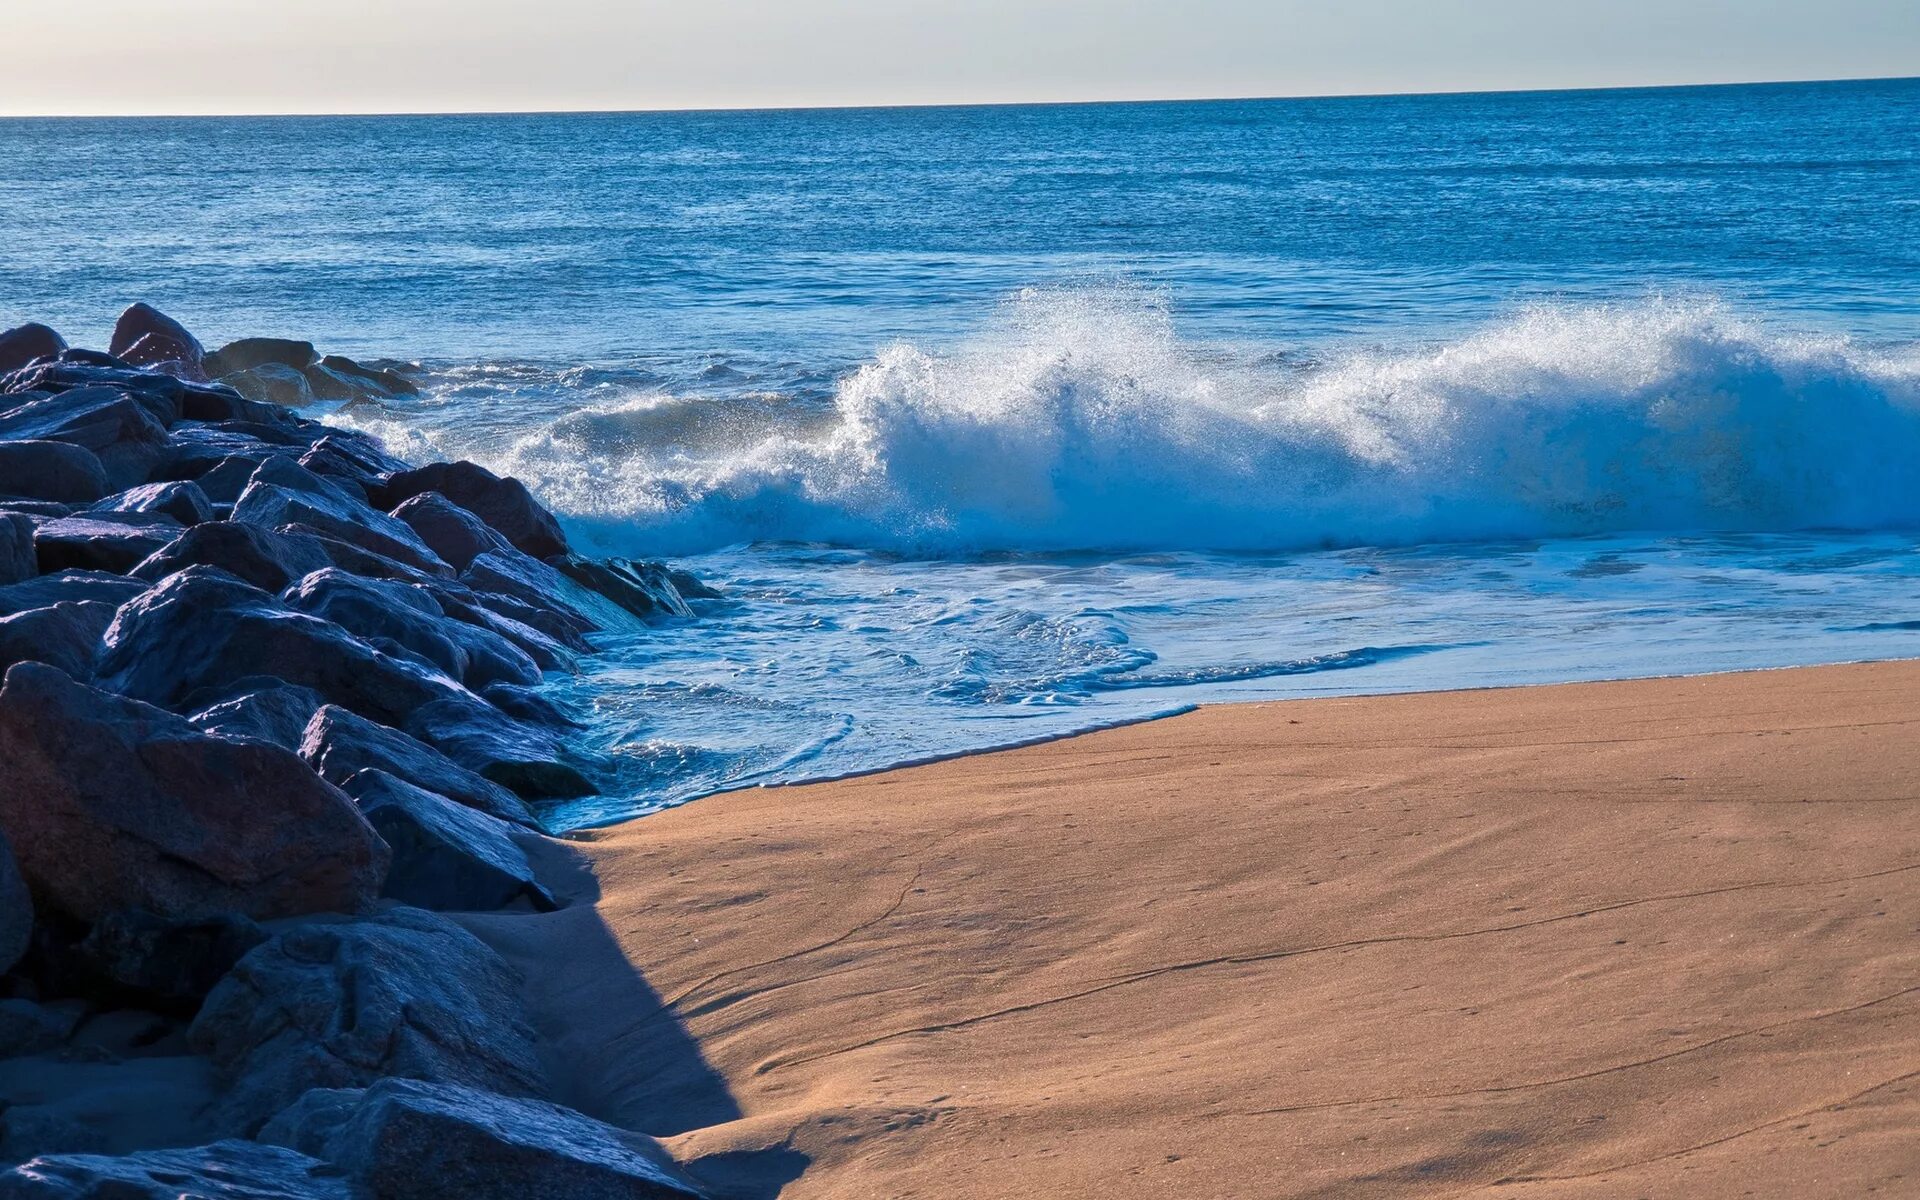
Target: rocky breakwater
{"x":270,"y":707}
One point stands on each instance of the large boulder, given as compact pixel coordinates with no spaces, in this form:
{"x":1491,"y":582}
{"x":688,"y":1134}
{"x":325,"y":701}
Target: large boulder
{"x":24,"y":343}
{"x":284,"y":493}
{"x":271,"y":383}
{"x":113,"y":804}
{"x":66,"y":635}
{"x":262,"y":557}
{"x":61,"y":586}
{"x":452,"y":532}
{"x":161,"y":964}
{"x":504,"y":504}
{"x":339,"y":745}
{"x":200,"y":632}
{"x":525,"y":758}
{"x":114,"y":542}
{"x":439,"y":1141}
{"x":168,"y":355}
{"x":17,"y":559}
{"x":126,"y":431}
{"x":542,"y":597}
{"x":183,"y":501}
{"x":248,"y":353}
{"x":231,"y":1170}
{"x":265,"y":710}
{"x":141,"y":320}
{"x":383,"y":382}
{"x":16,"y":910}
{"x":405,"y":994}
{"x":49,"y":470}
{"x":381,"y":611}
{"x":446,"y":856}
{"x":642,"y":588}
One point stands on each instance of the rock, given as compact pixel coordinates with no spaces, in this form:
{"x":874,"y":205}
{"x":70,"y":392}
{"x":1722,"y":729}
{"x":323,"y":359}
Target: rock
{"x":271,"y":383}
{"x":340,"y":745}
{"x":24,"y":343}
{"x":112,"y":804}
{"x":66,"y":635}
{"x":268,"y":560}
{"x":200,"y":632}
{"x":158,"y":352}
{"x":267,"y":711}
{"x":643,"y":589}
{"x":525,"y":704}
{"x":231,"y":1170}
{"x":225,"y":480}
{"x":504,"y":504}
{"x":452,"y":532}
{"x":42,"y":470}
{"x":446,"y":856}
{"x":405,"y":994}
{"x":438,"y":1141}
{"x":389,"y":382}
{"x":546,"y":652}
{"x":122,"y":431}
{"x":381,"y":610}
{"x":517,"y":756}
{"x":543,"y":595}
{"x":283,"y":493}
{"x":29,"y":1028}
{"x":16,"y":910}
{"x":185,"y":502}
{"x":164,"y":964}
{"x":248,"y":353}
{"x":101,"y":542}
{"x":62,"y":586}
{"x":142,"y":319}
{"x":17,"y":559}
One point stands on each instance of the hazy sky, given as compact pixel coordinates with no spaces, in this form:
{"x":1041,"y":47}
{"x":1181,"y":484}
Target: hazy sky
{"x":195,"y":56}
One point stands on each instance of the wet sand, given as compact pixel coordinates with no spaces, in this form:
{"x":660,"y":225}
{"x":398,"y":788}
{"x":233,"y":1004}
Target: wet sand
{"x":1655,"y":938}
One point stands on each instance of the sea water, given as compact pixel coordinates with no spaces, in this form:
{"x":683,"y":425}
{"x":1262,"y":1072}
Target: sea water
{"x":999,"y":423}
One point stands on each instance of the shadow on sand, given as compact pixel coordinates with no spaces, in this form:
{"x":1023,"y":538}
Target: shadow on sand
{"x":612,"y":1048}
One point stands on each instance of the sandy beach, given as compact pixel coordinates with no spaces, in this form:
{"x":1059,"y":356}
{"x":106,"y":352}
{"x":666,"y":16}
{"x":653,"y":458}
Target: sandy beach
{"x":1651,"y":938}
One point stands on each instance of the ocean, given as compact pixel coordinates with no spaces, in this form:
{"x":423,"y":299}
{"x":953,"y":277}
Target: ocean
{"x":999,"y":423}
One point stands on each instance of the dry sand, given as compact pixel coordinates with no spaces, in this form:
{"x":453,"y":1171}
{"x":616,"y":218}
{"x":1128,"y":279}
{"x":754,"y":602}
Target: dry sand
{"x":1657,"y":938}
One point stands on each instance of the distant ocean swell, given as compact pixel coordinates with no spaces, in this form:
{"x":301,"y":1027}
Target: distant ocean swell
{"x":1079,"y":419}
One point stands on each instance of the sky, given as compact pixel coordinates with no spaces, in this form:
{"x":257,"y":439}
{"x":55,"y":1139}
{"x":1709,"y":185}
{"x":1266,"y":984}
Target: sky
{"x":89,"y":57}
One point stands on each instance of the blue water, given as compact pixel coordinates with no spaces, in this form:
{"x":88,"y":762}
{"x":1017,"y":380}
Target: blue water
{"x":1000,"y":422}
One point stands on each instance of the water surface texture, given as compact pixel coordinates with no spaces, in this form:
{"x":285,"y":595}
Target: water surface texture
{"x":997,"y":423}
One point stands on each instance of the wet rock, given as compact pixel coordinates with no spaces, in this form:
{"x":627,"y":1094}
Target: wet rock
{"x":166,"y":964}
{"x":66,"y":635}
{"x":123,"y":433}
{"x":643,"y":589}
{"x":347,"y":456}
{"x":140,"y":320}
{"x":340,"y":745}
{"x":43,"y":470}
{"x":452,"y":532}
{"x":248,"y":353}
{"x":185,"y":502}
{"x":158,"y":352}
{"x":112,"y":542}
{"x":201,"y":631}
{"x":381,"y":609}
{"x":428,"y":1141}
{"x":271,"y":383}
{"x":526,"y":704}
{"x":388,"y":382}
{"x":541,"y":594}
{"x":24,"y":343}
{"x":112,"y":804}
{"x":405,"y":994}
{"x":515,"y":755}
{"x":546,"y":652}
{"x":30,"y":1028}
{"x":17,"y":559}
{"x":283,"y":493}
{"x":16,"y":910}
{"x":446,"y":856}
{"x":264,"y":558}
{"x":62,"y":586}
{"x":231,"y":1170}
{"x":265,"y":710}
{"x":504,"y":504}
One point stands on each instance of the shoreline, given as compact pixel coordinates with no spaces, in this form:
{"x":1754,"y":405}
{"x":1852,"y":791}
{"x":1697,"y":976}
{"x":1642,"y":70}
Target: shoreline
{"x":1246,"y":950}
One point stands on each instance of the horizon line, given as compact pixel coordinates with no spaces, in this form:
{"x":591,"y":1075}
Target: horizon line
{"x":318,"y":114}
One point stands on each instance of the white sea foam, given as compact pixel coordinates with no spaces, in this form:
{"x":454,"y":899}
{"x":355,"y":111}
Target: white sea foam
{"x":1081,"y":420}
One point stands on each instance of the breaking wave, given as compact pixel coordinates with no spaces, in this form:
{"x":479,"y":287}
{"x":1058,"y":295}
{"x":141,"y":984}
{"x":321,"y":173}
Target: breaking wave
{"x":1081,"y":420}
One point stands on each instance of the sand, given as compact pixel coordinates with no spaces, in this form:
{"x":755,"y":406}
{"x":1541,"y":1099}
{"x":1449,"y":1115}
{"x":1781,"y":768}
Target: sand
{"x":1655,"y":938}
